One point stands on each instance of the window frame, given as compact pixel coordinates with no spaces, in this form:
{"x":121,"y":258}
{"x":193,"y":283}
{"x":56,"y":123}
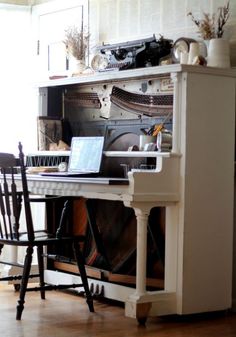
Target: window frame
{"x":49,"y":8}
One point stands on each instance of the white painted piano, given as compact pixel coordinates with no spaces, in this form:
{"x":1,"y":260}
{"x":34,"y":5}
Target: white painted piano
{"x":195,"y":183}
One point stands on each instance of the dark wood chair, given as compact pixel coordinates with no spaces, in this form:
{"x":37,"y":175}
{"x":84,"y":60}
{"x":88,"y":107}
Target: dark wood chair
{"x":13,"y":189}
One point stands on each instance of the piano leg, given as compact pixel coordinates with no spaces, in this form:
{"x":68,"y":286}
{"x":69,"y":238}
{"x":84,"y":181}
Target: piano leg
{"x":137,"y":307}
{"x":142,"y":303}
{"x":141,"y":259}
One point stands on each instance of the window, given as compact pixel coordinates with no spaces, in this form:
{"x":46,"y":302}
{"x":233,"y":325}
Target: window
{"x":21,"y":67}
{"x":50,"y":21}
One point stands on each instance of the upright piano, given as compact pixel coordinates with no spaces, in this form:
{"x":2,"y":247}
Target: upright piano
{"x":193,"y":182}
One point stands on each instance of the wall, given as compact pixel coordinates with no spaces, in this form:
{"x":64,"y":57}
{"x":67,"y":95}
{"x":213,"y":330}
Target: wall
{"x":38,"y":2}
{"x":24,"y":2}
{"x":122,"y":20}
{"x":15,"y":2}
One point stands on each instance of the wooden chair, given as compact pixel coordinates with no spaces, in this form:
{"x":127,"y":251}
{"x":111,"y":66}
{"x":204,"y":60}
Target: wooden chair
{"x":12,"y":189}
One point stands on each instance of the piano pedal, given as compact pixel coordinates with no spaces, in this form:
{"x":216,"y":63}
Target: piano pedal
{"x":96,"y":291}
{"x":91,"y":289}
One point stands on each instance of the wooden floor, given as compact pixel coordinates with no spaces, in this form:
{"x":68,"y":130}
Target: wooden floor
{"x":67,"y":315}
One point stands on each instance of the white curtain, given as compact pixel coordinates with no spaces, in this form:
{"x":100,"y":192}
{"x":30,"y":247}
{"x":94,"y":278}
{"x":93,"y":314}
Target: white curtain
{"x":18,"y":98}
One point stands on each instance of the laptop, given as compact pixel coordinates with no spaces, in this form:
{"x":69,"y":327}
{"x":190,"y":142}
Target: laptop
{"x":85,"y":158}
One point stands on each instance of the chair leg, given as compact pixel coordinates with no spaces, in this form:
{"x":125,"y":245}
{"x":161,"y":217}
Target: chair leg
{"x":1,"y":247}
{"x":80,"y":262}
{"x":41,"y":270}
{"x":24,"y":282}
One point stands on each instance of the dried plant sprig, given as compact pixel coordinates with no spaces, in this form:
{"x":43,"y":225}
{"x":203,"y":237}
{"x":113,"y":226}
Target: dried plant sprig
{"x":211,"y":27}
{"x":76,"y":42}
{"x":222,"y":19}
{"x":205,"y":26}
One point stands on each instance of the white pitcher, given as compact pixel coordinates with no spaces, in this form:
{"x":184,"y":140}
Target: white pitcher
{"x":218,"y":53}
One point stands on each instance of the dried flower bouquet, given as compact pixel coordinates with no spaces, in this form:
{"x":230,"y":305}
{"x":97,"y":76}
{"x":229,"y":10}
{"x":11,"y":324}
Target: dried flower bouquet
{"x":211,"y":27}
{"x":76,"y":42}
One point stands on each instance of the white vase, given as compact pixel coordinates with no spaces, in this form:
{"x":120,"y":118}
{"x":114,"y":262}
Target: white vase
{"x":218,"y":53}
{"x":76,"y":66}
{"x":80,"y":66}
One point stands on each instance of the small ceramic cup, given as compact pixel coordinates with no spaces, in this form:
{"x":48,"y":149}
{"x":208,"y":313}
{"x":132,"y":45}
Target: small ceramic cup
{"x":193,"y":52}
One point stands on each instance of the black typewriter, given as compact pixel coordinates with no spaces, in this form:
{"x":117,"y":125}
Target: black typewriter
{"x":133,"y":54}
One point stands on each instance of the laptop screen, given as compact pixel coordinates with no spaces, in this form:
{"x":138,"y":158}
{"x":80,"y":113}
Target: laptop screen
{"x":86,"y":154}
